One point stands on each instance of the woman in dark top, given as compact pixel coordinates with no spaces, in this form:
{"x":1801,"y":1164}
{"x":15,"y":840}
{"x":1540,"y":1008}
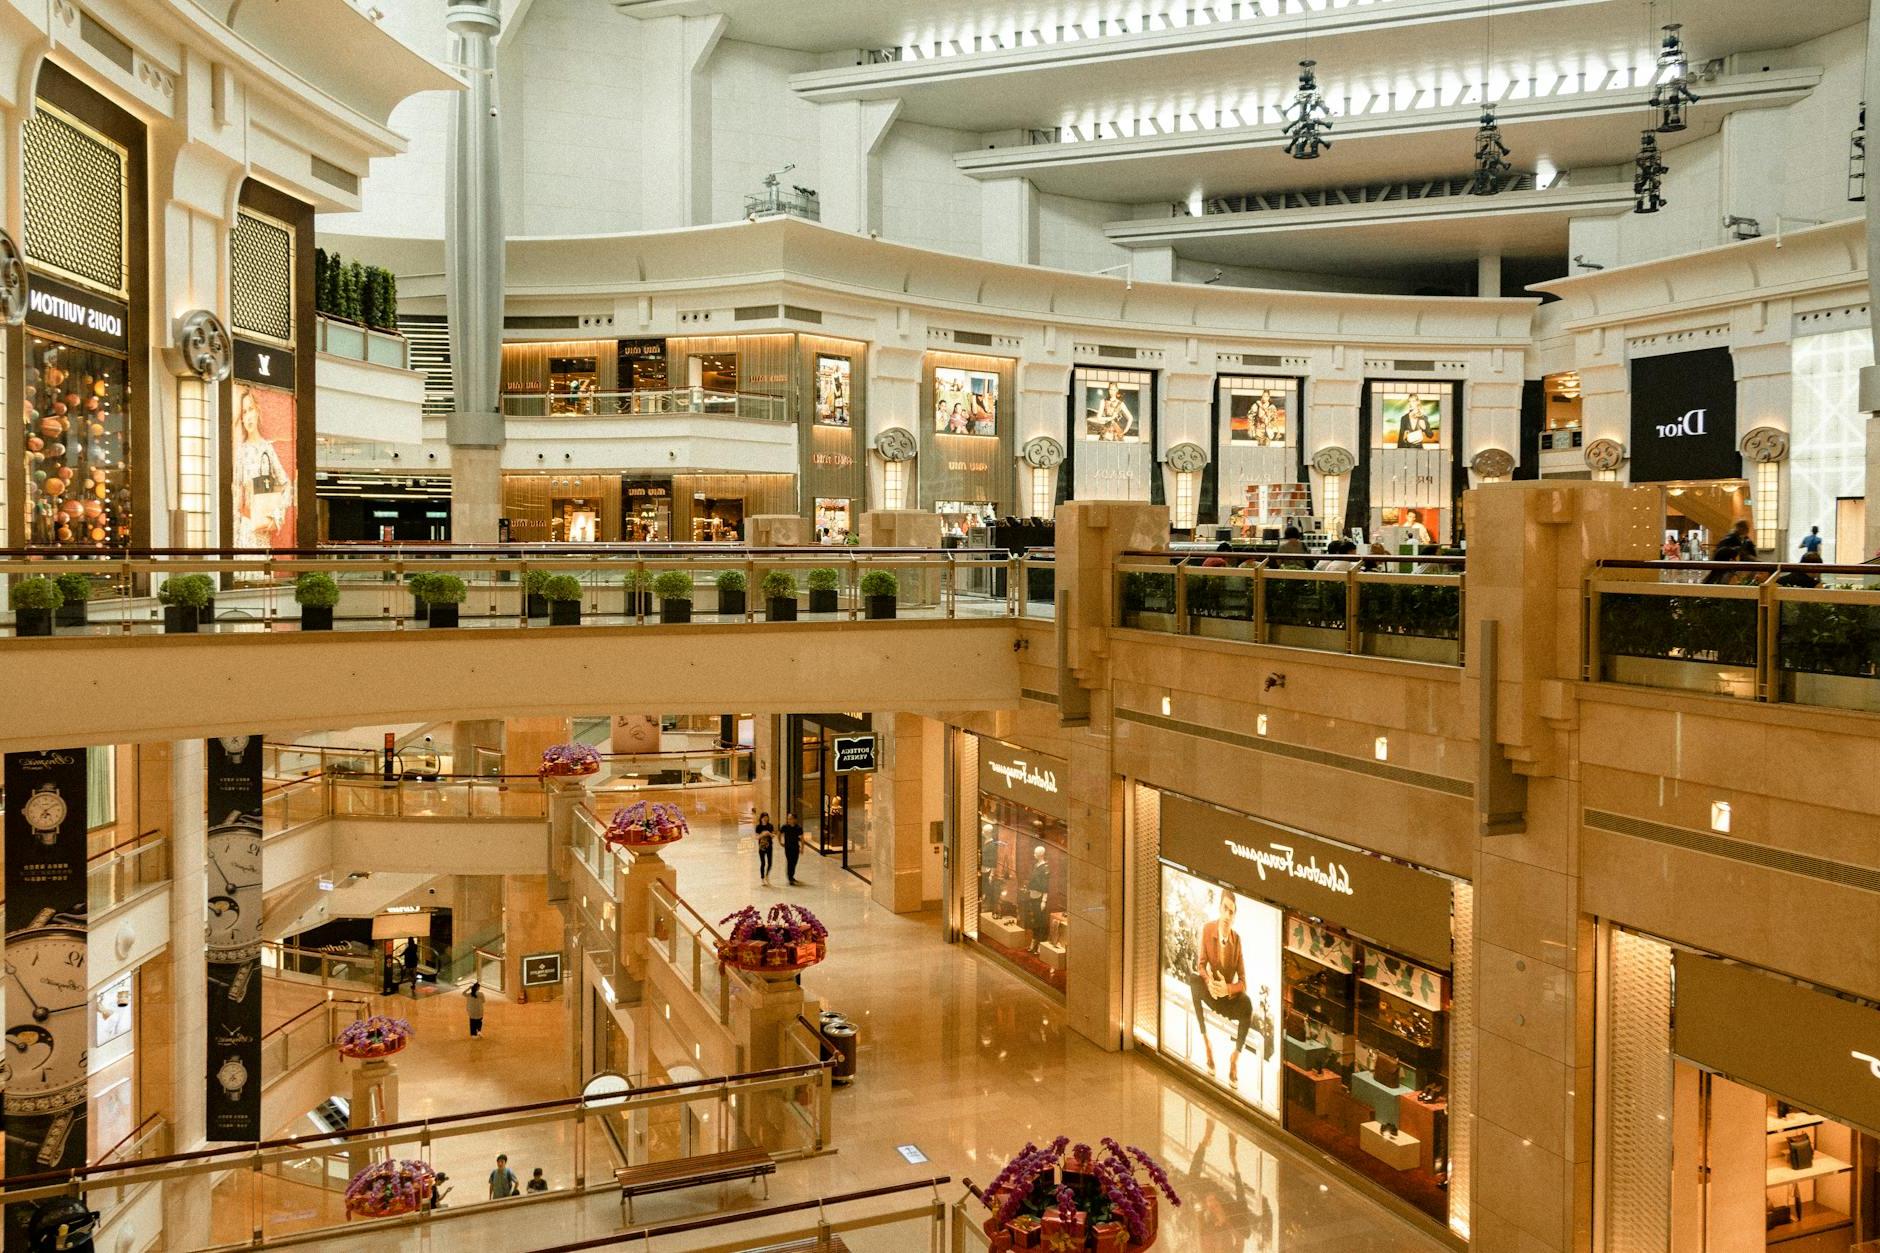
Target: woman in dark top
{"x":766,"y":840}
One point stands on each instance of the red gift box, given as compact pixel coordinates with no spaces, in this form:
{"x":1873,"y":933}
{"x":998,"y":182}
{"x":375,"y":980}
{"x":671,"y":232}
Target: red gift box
{"x":1152,"y":1200}
{"x":1062,"y":1235}
{"x":1026,"y":1232}
{"x":1001,"y":1241}
{"x":1110,"y":1238}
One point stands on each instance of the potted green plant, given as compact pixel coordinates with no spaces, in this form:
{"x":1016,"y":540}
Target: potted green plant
{"x":420,"y":603}
{"x":76,"y":589}
{"x":563,"y":594}
{"x":674,"y":589}
{"x":316,"y":594}
{"x":878,"y":591}
{"x":34,"y":600}
{"x":182,"y":597}
{"x":535,"y":604}
{"x":731,"y":587}
{"x":444,"y":596}
{"x":779,"y":587}
{"x":823,"y":582}
{"x":639,"y":593}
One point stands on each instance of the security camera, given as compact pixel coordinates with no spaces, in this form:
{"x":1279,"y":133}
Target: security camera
{"x":492,"y":110}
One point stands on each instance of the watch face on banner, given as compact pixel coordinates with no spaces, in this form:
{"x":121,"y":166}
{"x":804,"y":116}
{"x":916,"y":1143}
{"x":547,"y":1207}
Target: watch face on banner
{"x":232,"y":934}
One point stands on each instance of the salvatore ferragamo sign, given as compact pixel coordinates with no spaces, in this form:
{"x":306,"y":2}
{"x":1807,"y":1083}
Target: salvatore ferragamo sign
{"x":1396,"y":905}
{"x":1018,"y":774}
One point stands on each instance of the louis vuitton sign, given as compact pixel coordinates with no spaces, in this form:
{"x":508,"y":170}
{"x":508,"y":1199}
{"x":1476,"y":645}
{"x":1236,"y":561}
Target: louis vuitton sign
{"x":1035,"y":780}
{"x":1397,"y":905}
{"x":1811,"y":1048}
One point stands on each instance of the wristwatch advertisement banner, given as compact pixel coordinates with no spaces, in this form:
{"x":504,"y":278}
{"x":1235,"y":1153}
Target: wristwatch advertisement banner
{"x":44,"y":1069}
{"x":233,"y":938}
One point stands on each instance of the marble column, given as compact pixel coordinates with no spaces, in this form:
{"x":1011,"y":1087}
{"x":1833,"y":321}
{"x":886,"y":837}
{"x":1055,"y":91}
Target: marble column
{"x":473,"y":275}
{"x":899,"y":824}
{"x":187,"y":1202}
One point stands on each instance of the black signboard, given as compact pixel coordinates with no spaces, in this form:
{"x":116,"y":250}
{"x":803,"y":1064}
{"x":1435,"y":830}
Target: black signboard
{"x":233,"y":934}
{"x":48,"y":1023}
{"x":540,"y":970}
{"x":264,"y":363}
{"x":76,"y":313}
{"x":857,"y":754}
{"x":1684,"y":417}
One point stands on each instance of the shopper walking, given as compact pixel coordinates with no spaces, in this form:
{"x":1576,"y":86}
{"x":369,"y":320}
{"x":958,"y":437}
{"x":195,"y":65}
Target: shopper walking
{"x":766,"y":846}
{"x":792,"y":833}
{"x":475,"y":998}
{"x":536,"y":1182}
{"x":1811,"y":542}
{"x":502,"y":1179}
{"x":411,"y":964}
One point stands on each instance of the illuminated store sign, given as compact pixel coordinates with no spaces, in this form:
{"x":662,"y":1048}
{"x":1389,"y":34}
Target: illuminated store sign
{"x":857,"y":754}
{"x":1396,"y":905}
{"x":71,"y":311}
{"x":263,"y":363}
{"x":1684,"y":417}
{"x":1028,"y":777}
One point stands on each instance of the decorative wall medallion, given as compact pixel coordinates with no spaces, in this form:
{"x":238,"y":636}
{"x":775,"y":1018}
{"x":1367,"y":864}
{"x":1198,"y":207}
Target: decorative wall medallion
{"x":1493,"y":463}
{"x":1605,"y":454}
{"x":205,"y":345}
{"x":897,"y":443}
{"x":1187,"y":458}
{"x":12,"y":282}
{"x":1766,"y":444}
{"x":1042,"y":452}
{"x":1334,"y":460}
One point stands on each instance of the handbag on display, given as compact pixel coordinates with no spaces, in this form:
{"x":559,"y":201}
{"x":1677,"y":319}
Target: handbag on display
{"x":1386,"y":1070}
{"x":1801,"y":1151}
{"x":1296,"y":1025}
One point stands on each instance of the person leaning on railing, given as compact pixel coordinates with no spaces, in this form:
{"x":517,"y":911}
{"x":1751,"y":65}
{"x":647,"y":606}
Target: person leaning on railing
{"x":1803,"y":578}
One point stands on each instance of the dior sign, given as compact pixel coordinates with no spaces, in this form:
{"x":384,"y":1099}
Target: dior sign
{"x":1684,"y":418}
{"x":1691,"y":423}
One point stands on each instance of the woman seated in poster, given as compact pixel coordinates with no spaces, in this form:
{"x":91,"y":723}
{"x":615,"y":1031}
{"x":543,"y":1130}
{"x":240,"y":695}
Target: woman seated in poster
{"x":1219,"y":982}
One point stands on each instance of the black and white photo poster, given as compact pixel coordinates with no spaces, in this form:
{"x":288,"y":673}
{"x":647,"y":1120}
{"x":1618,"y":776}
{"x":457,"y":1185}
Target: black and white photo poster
{"x":47,"y":988}
{"x":233,"y":1107}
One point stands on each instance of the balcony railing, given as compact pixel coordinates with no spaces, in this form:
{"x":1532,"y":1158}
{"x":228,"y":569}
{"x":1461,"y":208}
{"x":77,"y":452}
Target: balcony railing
{"x":362,"y":343}
{"x":1802,"y":634}
{"x":306,"y":1037}
{"x":122,"y":874}
{"x":1406,"y":609}
{"x":697,"y":401}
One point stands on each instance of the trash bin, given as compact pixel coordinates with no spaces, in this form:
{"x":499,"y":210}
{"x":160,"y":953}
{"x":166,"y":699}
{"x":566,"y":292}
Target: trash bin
{"x":841,"y":1035}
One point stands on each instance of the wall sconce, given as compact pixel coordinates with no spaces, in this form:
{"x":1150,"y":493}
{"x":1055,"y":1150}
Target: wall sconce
{"x":1167,"y":706}
{"x":1186,"y":503}
{"x":195,"y":453}
{"x":897,"y":447}
{"x":1767,"y":447}
{"x":1259,"y":725}
{"x":1720,"y":817}
{"x":1382,"y":748}
{"x":1334,"y":465}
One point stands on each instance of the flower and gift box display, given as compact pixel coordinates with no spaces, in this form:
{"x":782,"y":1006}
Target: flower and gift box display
{"x":388,"y":1189}
{"x":372,"y":1038}
{"x":788,"y":938}
{"x":1065,"y":1198}
{"x":570,"y":761}
{"x":646,"y":824}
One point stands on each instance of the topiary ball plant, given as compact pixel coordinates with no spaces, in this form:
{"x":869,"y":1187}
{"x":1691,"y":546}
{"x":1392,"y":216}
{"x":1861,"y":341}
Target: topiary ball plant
{"x":315,"y":590}
{"x":824,"y":579}
{"x":35,"y":593}
{"x":673,"y":585}
{"x":730,"y":581}
{"x":76,"y":588}
{"x":561,"y":587}
{"x":534,"y":580}
{"x":445,"y":589}
{"x":880,"y":583}
{"x":421,"y":583}
{"x":779,"y":584}
{"x":191,"y":591}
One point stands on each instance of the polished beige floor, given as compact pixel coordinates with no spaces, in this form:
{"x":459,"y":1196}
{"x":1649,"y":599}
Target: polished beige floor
{"x":958,"y":1057}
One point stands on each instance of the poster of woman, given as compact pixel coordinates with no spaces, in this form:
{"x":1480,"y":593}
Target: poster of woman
{"x":965,"y":402}
{"x":1413,"y":421}
{"x":1112,"y":412}
{"x":1258,"y":419}
{"x":832,"y":390}
{"x":263,"y":479}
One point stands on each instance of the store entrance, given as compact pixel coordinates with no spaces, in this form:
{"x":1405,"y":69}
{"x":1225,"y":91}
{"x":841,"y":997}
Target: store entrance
{"x":1752,"y":1172}
{"x":835,"y":809}
{"x":1697,"y":515}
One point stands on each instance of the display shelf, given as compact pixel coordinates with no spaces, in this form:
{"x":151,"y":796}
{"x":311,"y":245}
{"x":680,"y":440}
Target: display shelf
{"x":1816,"y":1218}
{"x":1795,"y":1122}
{"x":1781,"y":1176}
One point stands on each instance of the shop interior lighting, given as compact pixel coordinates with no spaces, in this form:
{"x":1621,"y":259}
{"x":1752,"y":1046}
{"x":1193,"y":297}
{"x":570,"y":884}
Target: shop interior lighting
{"x":1672,"y":93}
{"x":1648,"y":182}
{"x":1491,"y":157}
{"x":1308,"y":117}
{"x":1720,"y":817}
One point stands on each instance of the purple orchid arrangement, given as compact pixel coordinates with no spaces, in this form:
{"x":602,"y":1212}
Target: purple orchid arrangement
{"x":377,"y":1036}
{"x":645,"y":823}
{"x":1065,"y":1189}
{"x":788,"y":936}
{"x":386,"y":1189}
{"x":565,"y":760}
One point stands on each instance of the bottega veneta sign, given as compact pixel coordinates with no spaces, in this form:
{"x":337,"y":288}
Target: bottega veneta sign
{"x":1022,"y":775}
{"x":857,"y":754}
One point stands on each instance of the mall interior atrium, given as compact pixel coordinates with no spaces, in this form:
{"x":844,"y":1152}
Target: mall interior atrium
{"x":939,"y":626}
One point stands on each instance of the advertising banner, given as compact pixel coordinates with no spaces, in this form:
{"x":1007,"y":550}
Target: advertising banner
{"x":1220,"y":989}
{"x":263,"y":452}
{"x":1684,"y":417}
{"x":47,"y":980}
{"x":233,"y":936}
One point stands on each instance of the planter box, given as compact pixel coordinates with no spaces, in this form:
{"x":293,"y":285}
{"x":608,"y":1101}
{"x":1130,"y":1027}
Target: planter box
{"x":564,"y":613}
{"x":1681,"y":676}
{"x":535,"y":606}
{"x":1410,"y":648}
{"x":1836,"y":691}
{"x":420,"y":609}
{"x":1318,"y":639}
{"x":823,"y":602}
{"x":1145,"y":620}
{"x":28,"y":622}
{"x":675,"y":611}
{"x":780,"y":609}
{"x":179,"y":620}
{"x":1222,"y":628}
{"x":639,"y":604}
{"x":207,"y":612}
{"x":316,"y":617}
{"x":731,"y":604}
{"x":72,"y":613}
{"x":444,"y":615}
{"x":878,"y":607}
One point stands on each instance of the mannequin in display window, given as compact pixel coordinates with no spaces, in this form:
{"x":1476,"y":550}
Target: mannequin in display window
{"x":1037,"y":899}
{"x":989,"y":891}
{"x":1219,"y":982}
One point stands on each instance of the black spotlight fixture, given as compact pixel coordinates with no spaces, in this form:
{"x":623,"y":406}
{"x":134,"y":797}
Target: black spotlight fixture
{"x":1308,"y":117}
{"x":1491,"y":157}
{"x":1649,"y":182}
{"x":1670,"y":97}
{"x":1857,"y":158}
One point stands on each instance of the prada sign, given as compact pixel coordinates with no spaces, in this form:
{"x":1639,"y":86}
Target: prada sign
{"x":1809,"y":1048}
{"x":1400,"y":907}
{"x":1034,"y":780}
{"x":1684,"y":417}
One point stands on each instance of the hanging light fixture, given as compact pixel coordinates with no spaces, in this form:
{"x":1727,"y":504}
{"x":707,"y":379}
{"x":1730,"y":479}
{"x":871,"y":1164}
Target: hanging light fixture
{"x":1670,"y":96}
{"x":1649,"y":182}
{"x":1491,"y":157}
{"x":1308,"y":117}
{"x":1857,"y":158}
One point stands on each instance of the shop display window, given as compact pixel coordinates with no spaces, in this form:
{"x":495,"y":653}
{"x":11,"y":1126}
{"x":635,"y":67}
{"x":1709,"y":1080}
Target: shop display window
{"x":77,"y":445}
{"x":572,"y":382}
{"x":1220,"y":985}
{"x":1022,"y":881}
{"x":1365,"y":1044}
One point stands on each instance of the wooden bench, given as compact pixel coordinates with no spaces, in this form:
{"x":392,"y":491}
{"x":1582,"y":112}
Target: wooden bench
{"x":691,"y":1172}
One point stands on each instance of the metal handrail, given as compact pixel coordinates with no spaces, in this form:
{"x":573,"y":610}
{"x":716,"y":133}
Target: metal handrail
{"x":651,"y":402}
{"x":647,"y":1234}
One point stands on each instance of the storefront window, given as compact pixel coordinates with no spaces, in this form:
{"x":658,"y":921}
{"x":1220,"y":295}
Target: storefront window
{"x":77,"y":440}
{"x":1220,"y":991}
{"x":571,"y":384}
{"x":1022,"y":877}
